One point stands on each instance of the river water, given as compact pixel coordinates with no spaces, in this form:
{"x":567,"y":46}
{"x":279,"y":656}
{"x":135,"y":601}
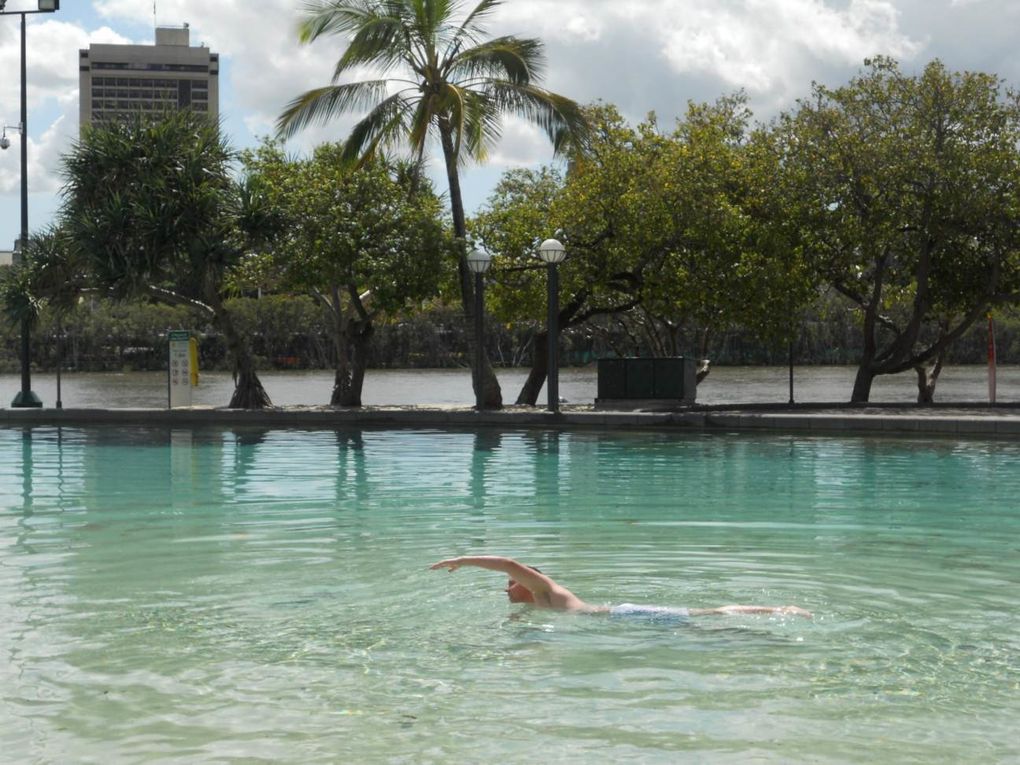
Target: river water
{"x":725,"y":385}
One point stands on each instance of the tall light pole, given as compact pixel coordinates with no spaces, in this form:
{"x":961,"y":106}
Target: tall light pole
{"x":478,"y":262}
{"x":25,"y":397}
{"x":553,"y":253}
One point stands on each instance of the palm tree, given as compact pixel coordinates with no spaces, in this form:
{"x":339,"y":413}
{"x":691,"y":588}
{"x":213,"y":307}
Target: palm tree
{"x":455,"y":84}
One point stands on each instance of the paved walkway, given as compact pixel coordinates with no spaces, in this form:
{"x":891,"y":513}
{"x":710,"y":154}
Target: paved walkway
{"x":948,"y":420}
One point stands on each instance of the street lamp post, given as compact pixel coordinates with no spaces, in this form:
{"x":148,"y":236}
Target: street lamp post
{"x":553,"y":253}
{"x":478,"y":262}
{"x":25,"y":397}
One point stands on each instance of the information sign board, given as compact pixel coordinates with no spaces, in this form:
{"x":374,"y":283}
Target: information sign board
{"x":180,"y":371}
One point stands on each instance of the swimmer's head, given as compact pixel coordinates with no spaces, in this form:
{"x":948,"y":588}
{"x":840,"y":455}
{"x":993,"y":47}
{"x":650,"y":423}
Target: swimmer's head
{"x":517,"y":592}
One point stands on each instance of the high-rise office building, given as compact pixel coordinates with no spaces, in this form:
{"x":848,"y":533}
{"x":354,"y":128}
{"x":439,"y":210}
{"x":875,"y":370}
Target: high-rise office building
{"x":121,"y":80}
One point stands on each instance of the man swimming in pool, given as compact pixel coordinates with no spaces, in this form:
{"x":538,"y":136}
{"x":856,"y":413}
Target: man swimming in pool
{"x":529,"y":585}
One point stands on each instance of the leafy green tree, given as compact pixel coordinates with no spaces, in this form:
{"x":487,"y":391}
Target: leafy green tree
{"x":665,"y":232}
{"x":46,"y":277}
{"x":364,"y":242}
{"x":57,"y":272}
{"x":726,"y":262}
{"x":510,"y":225}
{"x":454,"y":84}
{"x":595,"y":211}
{"x":19,"y":298}
{"x":152,"y":209}
{"x":20,"y":303}
{"x":907,"y":192}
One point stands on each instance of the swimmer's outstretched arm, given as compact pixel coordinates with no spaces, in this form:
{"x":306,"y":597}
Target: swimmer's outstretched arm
{"x":538,"y":583}
{"x":546,"y":593}
{"x":533,"y":580}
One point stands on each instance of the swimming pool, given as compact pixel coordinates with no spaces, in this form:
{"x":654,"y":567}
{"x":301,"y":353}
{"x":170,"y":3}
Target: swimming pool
{"x":223,"y":595}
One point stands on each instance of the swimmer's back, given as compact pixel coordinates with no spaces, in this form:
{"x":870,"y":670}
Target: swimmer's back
{"x":652,"y":613}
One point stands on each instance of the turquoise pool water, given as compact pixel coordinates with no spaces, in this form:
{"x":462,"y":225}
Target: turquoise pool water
{"x":263,"y":596}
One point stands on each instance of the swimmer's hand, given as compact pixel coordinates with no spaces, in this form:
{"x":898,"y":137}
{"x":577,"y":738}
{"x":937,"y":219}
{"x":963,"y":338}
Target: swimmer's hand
{"x":450,"y":564}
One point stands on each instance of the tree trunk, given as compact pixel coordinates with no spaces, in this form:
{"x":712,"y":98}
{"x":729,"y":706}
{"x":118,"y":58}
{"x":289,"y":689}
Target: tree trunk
{"x":539,"y":370}
{"x":704,"y":367}
{"x":927,"y":378}
{"x":704,"y":363}
{"x":352,"y":361}
{"x":862,"y":384}
{"x":248,"y":390}
{"x":483,"y":380}
{"x":342,"y":377}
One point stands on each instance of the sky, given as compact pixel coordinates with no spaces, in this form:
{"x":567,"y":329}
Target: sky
{"x":641,"y":55}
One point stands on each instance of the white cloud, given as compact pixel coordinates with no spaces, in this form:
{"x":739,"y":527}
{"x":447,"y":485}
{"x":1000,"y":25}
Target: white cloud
{"x":584,"y":28}
{"x":44,"y":153}
{"x":52,"y":60}
{"x":762,"y":46}
{"x":141,"y":11}
{"x":641,"y":55}
{"x":521,"y":143}
{"x":623,"y":51}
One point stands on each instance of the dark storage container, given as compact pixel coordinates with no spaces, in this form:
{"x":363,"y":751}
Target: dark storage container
{"x":670,"y":378}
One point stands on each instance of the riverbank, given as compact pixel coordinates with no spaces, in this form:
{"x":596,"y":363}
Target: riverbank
{"x":431,"y":388}
{"x":960,"y":419}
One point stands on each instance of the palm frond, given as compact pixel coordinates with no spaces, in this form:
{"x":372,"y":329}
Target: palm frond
{"x":469,"y":26}
{"x":420,"y":124}
{"x":463,"y":83}
{"x":385,"y":124}
{"x":518,"y":60}
{"x":452,"y":105}
{"x":335,"y":17}
{"x":431,"y":18}
{"x":380,"y":43}
{"x":321,"y":104}
{"x":561,"y":118}
{"x":469,"y":32}
{"x":482,"y":126}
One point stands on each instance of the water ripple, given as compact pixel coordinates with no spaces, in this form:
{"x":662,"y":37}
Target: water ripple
{"x":218,"y":595}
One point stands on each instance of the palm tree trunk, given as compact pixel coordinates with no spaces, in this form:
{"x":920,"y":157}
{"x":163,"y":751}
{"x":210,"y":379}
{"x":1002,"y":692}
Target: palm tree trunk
{"x":484,"y":380}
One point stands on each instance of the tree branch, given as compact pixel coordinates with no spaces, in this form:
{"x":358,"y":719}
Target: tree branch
{"x":175,"y":298}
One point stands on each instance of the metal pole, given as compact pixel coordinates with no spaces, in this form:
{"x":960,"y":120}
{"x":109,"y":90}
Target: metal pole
{"x":791,"y":371}
{"x":60,"y":355}
{"x":479,"y":340}
{"x":552,"y":383}
{"x":24,"y":142}
{"x":991,"y":360}
{"x":26,"y":398}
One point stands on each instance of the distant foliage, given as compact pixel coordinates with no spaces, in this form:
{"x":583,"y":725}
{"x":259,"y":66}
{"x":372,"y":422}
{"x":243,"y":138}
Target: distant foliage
{"x":288,"y":332}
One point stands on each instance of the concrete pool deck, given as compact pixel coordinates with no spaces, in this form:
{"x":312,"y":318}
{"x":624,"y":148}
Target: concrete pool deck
{"x":959,"y":419}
